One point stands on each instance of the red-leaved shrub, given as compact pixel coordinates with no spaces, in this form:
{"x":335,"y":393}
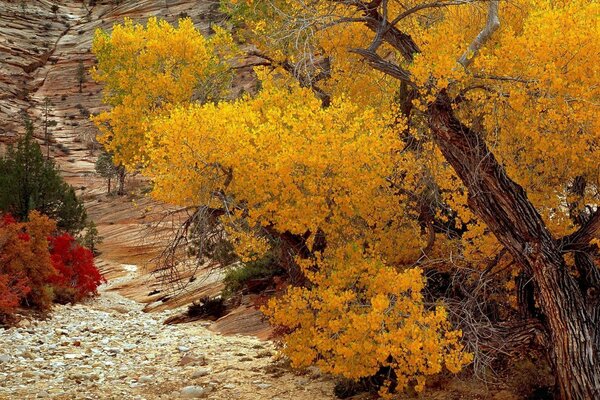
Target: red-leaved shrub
{"x":39,"y":266}
{"x":25,"y":259}
{"x":12,"y":291}
{"x":77,"y":276}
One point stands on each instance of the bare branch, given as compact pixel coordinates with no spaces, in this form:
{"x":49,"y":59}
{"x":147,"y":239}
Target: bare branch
{"x":305,"y":80}
{"x":384,"y":66}
{"x":390,"y":34}
{"x":395,"y":38}
{"x":435,"y":4}
{"x":343,"y":20}
{"x":491,"y":26}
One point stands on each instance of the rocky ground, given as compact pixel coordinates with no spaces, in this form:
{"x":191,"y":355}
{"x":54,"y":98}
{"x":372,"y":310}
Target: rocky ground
{"x":108,"y":348}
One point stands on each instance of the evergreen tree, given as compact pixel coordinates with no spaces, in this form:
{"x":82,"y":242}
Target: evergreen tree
{"x":28,"y":181}
{"x":91,"y":239}
{"x":106,"y":168}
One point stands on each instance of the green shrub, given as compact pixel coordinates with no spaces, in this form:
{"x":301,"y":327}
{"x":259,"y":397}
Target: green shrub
{"x":238,"y":275}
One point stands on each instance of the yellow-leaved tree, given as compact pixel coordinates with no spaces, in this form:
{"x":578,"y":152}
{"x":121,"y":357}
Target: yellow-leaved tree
{"x":148,"y":70}
{"x":389,"y":142}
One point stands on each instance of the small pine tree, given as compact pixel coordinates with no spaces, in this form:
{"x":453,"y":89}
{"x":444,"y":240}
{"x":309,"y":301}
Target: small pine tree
{"x":29,"y":181}
{"x":91,"y":239}
{"x":106,"y":168}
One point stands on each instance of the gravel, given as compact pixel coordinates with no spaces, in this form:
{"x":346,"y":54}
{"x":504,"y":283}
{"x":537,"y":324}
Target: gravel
{"x":97,"y":351}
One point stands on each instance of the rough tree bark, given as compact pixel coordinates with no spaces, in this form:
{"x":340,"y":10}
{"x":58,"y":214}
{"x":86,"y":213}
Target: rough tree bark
{"x":504,"y":207}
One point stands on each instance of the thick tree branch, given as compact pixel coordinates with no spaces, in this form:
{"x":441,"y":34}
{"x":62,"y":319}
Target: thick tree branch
{"x":503,"y":205}
{"x":492,"y":24}
{"x":389,"y":68}
{"x":389,"y":33}
{"x":589,"y":277}
{"x":581,"y":238}
{"x":517,"y":336}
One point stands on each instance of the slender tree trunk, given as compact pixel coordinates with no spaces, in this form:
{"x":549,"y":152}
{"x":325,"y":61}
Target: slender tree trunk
{"x":504,"y":207}
{"x":121,"y":180}
{"x":46,"y":137}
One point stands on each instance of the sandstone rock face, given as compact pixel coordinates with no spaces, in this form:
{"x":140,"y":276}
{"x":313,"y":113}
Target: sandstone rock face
{"x":42,"y":44}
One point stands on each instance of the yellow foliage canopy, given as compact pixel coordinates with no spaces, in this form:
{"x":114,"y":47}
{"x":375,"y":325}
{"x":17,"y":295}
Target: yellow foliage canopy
{"x":280,"y":160}
{"x":146,"y":71}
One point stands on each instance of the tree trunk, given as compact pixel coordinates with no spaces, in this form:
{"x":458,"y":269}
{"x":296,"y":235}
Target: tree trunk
{"x":121,"y":180}
{"x":504,"y":207}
